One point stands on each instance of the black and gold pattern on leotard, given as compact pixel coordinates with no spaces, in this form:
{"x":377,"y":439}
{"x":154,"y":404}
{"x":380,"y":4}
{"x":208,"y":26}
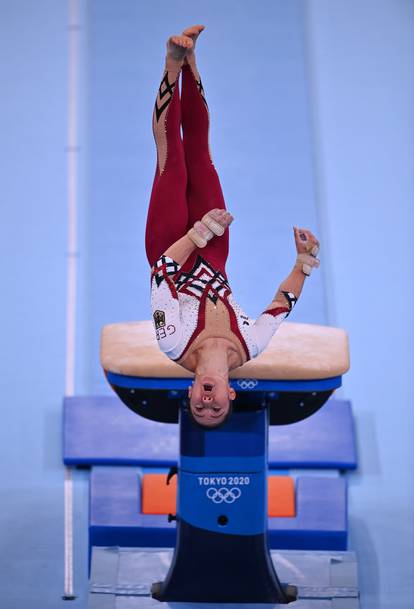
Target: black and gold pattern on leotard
{"x":201,"y":91}
{"x":290,"y":299}
{"x":166,"y":88}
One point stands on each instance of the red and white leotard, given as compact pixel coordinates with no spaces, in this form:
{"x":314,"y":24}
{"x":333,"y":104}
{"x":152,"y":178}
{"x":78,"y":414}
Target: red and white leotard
{"x":180,"y":301}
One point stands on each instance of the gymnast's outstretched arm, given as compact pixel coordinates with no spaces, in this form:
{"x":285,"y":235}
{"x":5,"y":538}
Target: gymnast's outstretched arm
{"x":307,"y":247}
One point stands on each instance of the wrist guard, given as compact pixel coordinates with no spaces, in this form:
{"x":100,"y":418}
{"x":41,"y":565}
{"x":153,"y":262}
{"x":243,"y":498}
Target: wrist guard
{"x":211,"y":224}
{"x":200,"y":235}
{"x":307,"y":262}
{"x":203,"y":231}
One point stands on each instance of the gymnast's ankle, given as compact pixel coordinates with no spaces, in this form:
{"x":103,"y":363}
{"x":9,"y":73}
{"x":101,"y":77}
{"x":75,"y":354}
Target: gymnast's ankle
{"x":177,"y":48}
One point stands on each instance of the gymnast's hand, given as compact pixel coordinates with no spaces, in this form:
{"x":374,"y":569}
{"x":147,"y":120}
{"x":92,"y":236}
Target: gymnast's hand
{"x":214,"y":223}
{"x":307,"y":247}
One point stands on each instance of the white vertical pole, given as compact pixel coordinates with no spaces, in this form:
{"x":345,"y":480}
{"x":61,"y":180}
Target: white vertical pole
{"x":68,"y":593}
{"x":72,"y":189}
{"x":72,"y":245}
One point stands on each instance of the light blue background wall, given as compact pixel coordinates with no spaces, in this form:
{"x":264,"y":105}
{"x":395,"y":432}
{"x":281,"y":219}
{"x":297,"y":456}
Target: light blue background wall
{"x":312,"y":124}
{"x":361,"y":58}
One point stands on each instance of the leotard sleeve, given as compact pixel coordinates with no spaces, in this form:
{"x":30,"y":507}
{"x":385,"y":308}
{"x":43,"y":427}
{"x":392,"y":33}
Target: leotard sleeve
{"x":269,"y":321}
{"x":165,"y":305}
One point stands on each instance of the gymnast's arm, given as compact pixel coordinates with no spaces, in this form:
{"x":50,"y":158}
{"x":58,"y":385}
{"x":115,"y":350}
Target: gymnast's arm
{"x":164,"y":304}
{"x":307,"y":247}
{"x":164,"y":297}
{"x":289,"y":290}
{"x":213,"y":223}
{"x":181,"y":249}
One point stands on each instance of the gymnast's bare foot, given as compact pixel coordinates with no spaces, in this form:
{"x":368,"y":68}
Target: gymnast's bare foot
{"x":178,"y":46}
{"x":193,"y":32}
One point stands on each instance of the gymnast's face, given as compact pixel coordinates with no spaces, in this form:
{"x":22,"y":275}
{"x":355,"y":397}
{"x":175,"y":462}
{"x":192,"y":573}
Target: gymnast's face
{"x":210,"y":399}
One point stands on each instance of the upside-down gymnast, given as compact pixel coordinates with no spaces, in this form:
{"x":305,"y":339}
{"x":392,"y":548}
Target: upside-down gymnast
{"x":197,"y":322}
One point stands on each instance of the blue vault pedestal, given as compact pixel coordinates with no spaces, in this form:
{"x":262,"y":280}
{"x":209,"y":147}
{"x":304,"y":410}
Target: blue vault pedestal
{"x":221,"y":553}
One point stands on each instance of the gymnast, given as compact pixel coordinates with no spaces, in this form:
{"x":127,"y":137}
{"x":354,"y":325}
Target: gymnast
{"x":197,"y":322}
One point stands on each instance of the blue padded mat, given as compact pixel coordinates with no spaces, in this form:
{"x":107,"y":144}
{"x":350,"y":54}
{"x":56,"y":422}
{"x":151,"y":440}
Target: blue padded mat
{"x":121,"y":579}
{"x":115,"y":514}
{"x":100,"y":430}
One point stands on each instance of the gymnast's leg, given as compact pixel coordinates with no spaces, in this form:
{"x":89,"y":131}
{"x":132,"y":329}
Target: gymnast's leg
{"x":168,"y":212}
{"x":203,"y":185}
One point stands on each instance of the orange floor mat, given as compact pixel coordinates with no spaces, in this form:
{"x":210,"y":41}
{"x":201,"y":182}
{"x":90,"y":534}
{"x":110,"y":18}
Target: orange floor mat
{"x":281,"y":496}
{"x":158,"y":498}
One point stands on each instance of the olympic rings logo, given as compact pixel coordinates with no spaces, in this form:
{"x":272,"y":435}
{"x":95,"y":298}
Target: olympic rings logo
{"x":225,"y":495}
{"x":247,"y":383}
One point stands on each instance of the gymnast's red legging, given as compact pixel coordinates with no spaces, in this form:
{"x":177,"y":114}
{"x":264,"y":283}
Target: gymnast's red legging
{"x":188,"y":187}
